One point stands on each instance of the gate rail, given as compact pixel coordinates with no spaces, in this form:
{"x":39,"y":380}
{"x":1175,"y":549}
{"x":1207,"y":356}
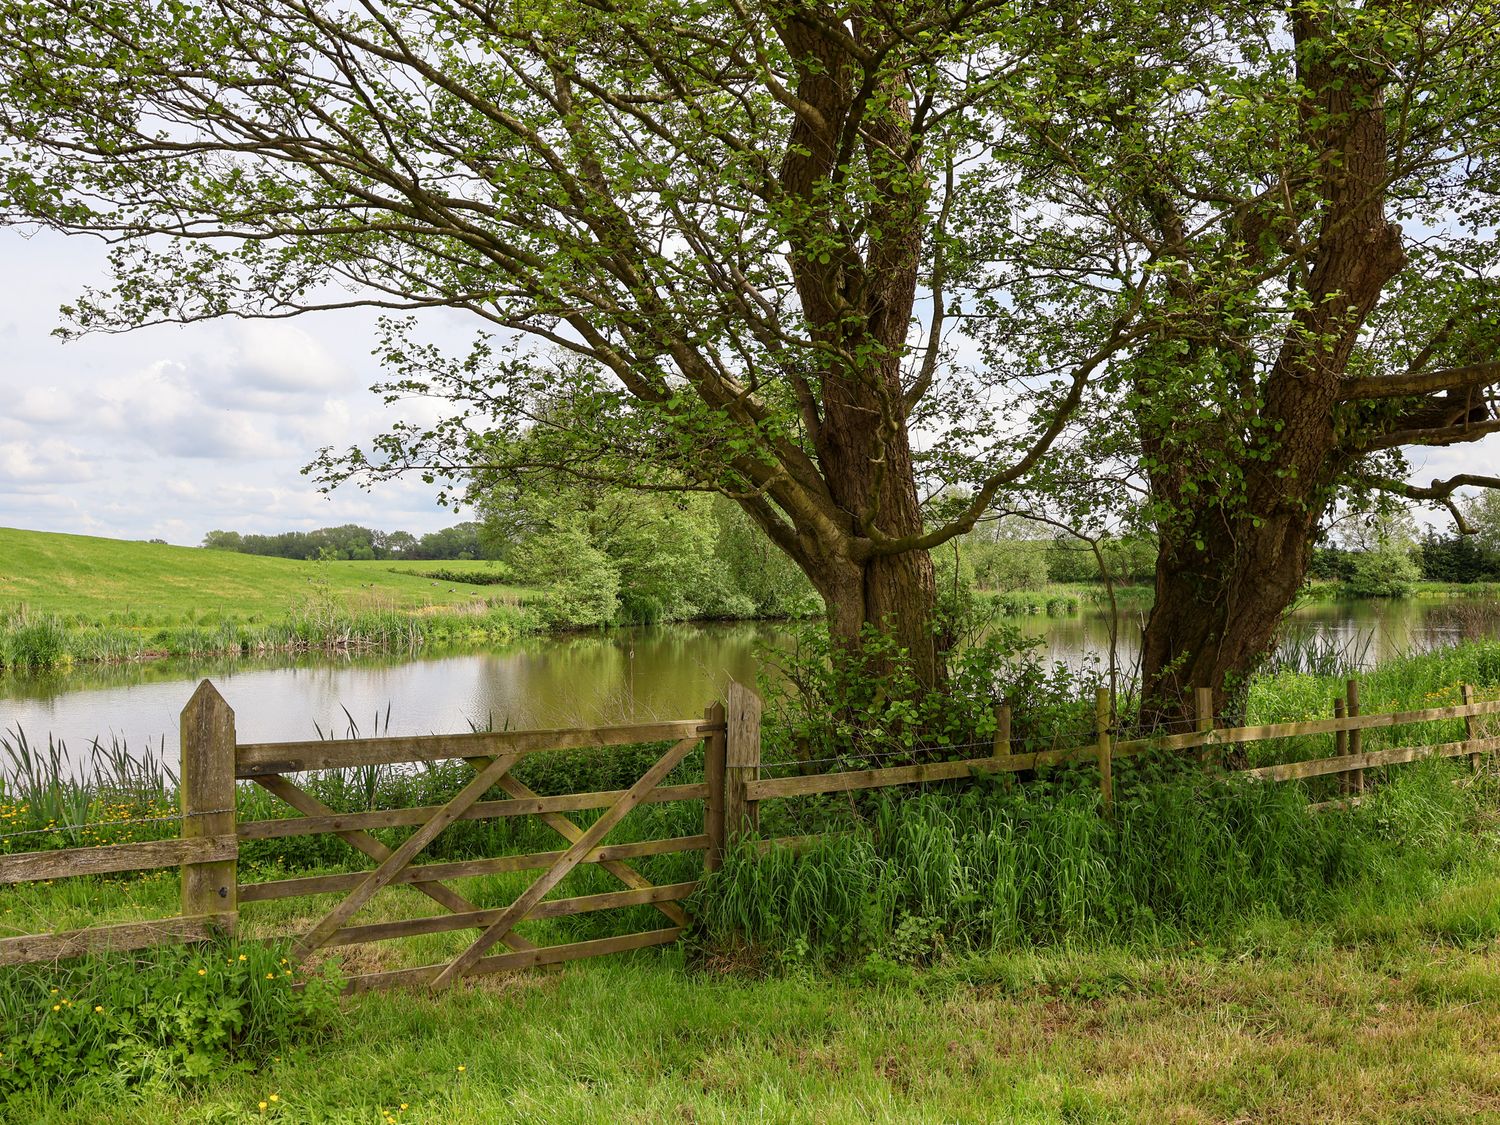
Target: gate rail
{"x":214,"y":763}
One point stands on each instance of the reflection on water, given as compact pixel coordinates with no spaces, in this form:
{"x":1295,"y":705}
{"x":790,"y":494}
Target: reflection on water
{"x":1366,"y":632}
{"x":582,"y":679}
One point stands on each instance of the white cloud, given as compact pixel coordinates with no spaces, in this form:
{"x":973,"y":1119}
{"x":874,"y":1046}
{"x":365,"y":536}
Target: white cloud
{"x":173,"y":431}
{"x":48,"y":461}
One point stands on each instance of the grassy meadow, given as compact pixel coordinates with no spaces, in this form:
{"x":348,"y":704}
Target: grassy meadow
{"x":994,"y":951}
{"x":79,"y":599}
{"x":972,"y":953}
{"x":1384,"y":1006}
{"x":81,"y":576}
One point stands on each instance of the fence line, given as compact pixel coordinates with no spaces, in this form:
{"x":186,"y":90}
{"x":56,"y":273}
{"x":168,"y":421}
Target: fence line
{"x":213,"y":762}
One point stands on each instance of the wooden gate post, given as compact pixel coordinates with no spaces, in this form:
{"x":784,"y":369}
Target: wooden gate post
{"x":1470,"y":734}
{"x":1356,"y":778}
{"x":1106,"y":770}
{"x":741,"y":761}
{"x":1203,"y":717}
{"x":713,"y":779}
{"x":207,"y":787}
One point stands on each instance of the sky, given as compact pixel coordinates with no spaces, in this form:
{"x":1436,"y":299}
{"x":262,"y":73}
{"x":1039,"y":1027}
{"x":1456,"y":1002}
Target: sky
{"x":171,"y":431}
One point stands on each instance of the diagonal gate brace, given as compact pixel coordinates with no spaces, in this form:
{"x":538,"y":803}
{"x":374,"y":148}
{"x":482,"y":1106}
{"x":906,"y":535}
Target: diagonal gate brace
{"x":566,"y":862}
{"x":572,"y":833}
{"x":401,"y":856}
{"x":308,"y":805}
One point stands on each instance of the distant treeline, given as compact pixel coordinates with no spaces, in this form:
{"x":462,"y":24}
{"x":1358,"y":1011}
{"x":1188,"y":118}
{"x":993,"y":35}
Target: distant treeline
{"x":1434,"y":558}
{"x":1006,"y":565}
{"x":350,"y":541}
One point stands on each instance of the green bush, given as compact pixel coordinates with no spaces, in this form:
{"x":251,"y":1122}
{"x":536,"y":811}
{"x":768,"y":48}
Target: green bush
{"x":170,"y":1018}
{"x":1385,"y":573}
{"x":1016,"y":865}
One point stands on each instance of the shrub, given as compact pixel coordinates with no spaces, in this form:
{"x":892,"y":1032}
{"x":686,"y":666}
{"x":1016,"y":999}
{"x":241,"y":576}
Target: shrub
{"x":1385,"y":573}
{"x":1022,"y":864}
{"x":170,"y":1018}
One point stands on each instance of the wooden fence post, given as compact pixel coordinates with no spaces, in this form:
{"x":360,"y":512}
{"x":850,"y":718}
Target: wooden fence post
{"x":1203,"y":716}
{"x":741,"y":761}
{"x":1470,"y":734}
{"x":1002,"y":730}
{"x":1356,"y":778}
{"x":1106,"y":771}
{"x":207,"y":787}
{"x":1340,"y":737}
{"x":713,"y":779}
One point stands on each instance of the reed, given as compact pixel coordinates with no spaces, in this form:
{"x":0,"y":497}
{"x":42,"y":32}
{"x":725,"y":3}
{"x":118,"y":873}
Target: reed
{"x":30,"y":641}
{"x":1181,"y":858}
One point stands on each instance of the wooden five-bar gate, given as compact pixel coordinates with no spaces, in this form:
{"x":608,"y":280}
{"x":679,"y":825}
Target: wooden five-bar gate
{"x":214,"y":763}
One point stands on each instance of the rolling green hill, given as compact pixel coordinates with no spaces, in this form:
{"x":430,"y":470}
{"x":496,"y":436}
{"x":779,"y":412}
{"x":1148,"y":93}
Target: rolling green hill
{"x":89,"y":577}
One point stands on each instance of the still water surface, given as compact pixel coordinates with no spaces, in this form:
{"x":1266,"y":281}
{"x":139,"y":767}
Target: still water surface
{"x":662,"y":672}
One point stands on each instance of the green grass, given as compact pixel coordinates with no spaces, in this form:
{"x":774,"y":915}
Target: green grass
{"x":1215,"y":958}
{"x":1328,"y":590}
{"x":78,"y":599}
{"x":1387,"y":1014}
{"x":97,"y":579}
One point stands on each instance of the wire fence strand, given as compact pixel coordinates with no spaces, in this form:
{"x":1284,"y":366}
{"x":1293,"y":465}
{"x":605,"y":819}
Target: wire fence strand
{"x":95,"y":824}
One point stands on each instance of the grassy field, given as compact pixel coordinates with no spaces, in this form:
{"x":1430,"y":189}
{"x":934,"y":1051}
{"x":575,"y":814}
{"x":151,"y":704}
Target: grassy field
{"x":87,"y":577}
{"x":1343,"y":967}
{"x":1391,"y":1013}
{"x":76,"y":599}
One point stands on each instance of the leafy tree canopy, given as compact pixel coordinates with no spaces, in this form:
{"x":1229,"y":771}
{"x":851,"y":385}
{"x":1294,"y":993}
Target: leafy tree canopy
{"x":1211,"y":262}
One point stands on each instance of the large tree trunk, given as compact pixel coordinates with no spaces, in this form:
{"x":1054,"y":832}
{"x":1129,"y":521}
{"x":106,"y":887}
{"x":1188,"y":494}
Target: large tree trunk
{"x":858,"y":298}
{"x":1216,"y":615}
{"x":895,"y":594}
{"x":1228,"y":571}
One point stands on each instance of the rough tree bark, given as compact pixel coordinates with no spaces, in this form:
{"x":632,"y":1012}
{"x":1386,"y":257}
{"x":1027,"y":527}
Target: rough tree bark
{"x":1225,"y":578}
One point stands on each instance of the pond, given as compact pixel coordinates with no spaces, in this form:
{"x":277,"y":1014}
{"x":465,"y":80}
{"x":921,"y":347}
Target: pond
{"x":670,"y":671}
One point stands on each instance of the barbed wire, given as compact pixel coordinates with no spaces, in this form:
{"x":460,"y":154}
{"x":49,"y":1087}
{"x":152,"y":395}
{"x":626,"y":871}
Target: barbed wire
{"x":1015,"y":748}
{"x":97,"y":824}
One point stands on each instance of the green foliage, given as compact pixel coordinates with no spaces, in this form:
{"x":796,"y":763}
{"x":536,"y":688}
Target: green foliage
{"x":1007,"y":565}
{"x":1387,"y":572}
{"x":32,"y":640}
{"x":1014,"y":865}
{"x":351,"y":542}
{"x":1458,"y":558}
{"x":493,"y":574}
{"x":581,"y":586}
{"x":1130,"y":558}
{"x":604,"y":555}
{"x":167,"y":1019}
{"x":834,"y":703}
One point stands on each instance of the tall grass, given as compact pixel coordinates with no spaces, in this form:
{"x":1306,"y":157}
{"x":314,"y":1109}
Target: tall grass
{"x":30,"y":641}
{"x":112,"y":795}
{"x":1305,"y":651}
{"x":990,"y":869}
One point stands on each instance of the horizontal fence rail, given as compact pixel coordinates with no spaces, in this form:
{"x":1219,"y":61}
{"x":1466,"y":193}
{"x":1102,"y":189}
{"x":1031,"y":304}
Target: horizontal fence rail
{"x":214,"y":763}
{"x":207,"y":851}
{"x":258,"y":759}
{"x":1346,"y":725}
